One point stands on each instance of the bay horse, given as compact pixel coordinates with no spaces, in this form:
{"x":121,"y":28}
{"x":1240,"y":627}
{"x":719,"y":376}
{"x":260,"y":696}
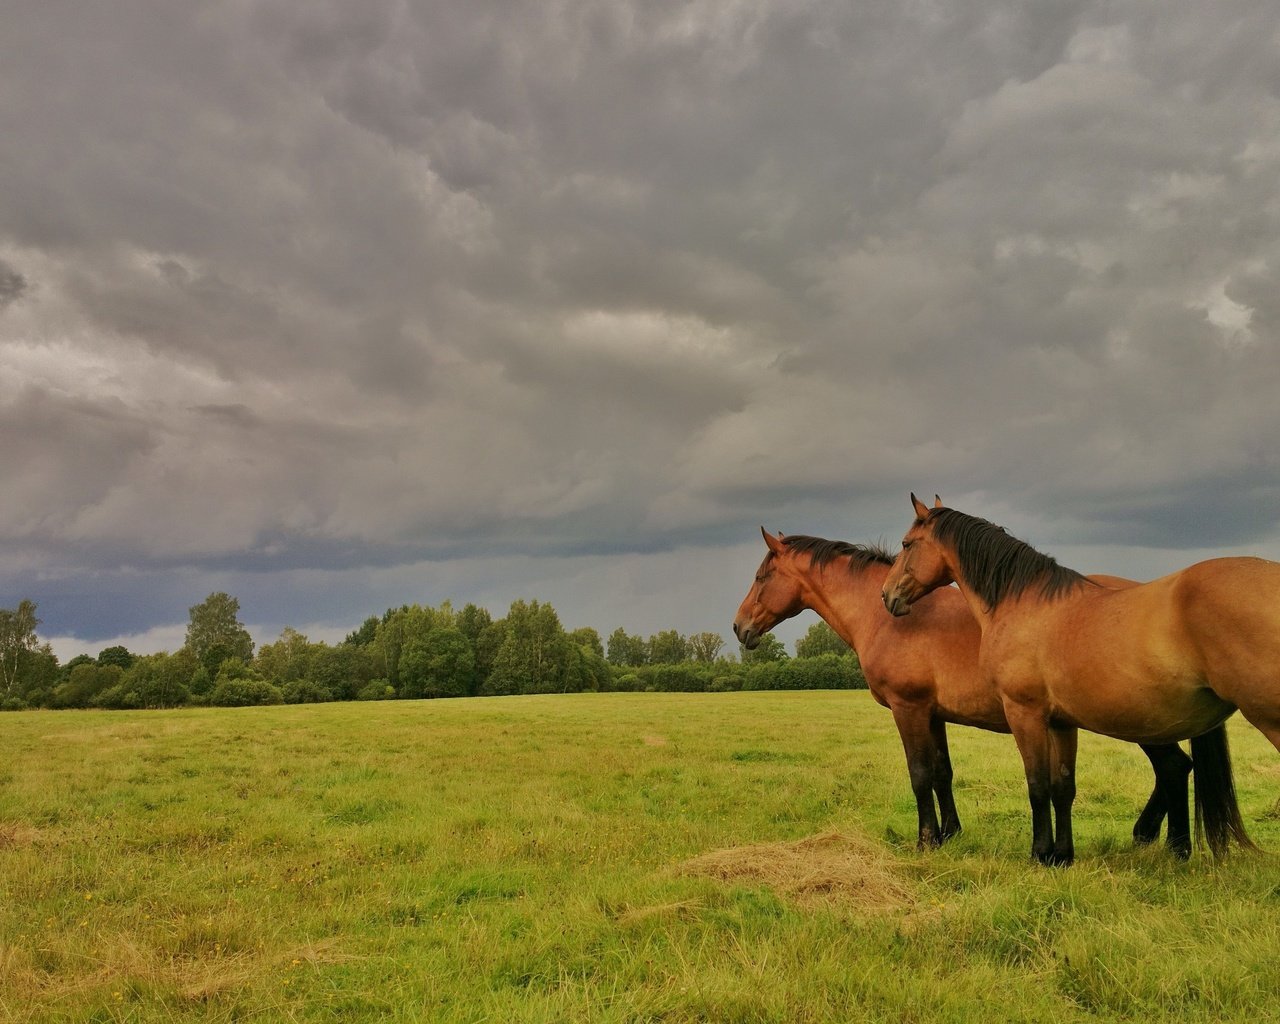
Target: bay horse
{"x":924,"y":669}
{"x":1153,"y":663}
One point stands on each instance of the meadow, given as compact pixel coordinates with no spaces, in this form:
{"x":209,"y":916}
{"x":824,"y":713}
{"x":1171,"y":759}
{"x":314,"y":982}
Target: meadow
{"x":597,"y":857}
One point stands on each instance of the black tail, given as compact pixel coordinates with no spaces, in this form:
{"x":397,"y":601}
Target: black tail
{"x":1218,"y":819}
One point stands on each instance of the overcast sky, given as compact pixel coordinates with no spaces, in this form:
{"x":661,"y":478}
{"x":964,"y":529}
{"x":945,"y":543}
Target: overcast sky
{"x":337,"y":306}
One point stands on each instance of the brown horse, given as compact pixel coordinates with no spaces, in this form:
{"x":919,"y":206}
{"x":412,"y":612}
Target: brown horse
{"x":924,"y":669}
{"x":1153,"y":663}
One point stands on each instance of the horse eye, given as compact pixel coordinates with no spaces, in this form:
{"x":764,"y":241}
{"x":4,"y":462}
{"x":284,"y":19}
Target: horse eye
{"x":906,"y":544}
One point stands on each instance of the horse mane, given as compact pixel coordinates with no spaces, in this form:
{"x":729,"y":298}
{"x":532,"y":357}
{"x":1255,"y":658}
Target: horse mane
{"x":823,"y":552}
{"x":996,"y":566}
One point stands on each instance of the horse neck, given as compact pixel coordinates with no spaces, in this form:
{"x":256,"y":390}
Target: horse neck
{"x":977,"y":607}
{"x":848,"y":598}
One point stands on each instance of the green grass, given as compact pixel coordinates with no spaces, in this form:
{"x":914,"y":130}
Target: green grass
{"x":518,"y":859}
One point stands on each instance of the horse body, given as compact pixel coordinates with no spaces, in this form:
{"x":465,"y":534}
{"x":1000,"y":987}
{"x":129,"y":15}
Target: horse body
{"x":924,"y":668}
{"x":1152,"y":663}
{"x":1106,"y":661}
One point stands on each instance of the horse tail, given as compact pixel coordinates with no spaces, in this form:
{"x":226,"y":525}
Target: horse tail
{"x":1218,"y":820}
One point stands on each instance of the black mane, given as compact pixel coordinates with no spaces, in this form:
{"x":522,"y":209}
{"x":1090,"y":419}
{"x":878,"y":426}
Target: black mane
{"x":823,"y":552}
{"x":996,"y":566}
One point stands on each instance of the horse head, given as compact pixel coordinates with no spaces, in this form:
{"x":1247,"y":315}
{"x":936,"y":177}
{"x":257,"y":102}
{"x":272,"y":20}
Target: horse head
{"x":775,"y":594}
{"x":920,"y":566}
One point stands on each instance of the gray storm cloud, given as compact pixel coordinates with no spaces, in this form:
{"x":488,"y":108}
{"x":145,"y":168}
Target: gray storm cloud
{"x":333,"y":288}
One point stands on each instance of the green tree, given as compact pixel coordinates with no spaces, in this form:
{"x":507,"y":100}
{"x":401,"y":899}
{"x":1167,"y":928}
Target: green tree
{"x":473,"y":620}
{"x":592,"y":671}
{"x":287,"y":659}
{"x":820,"y":639}
{"x":365,"y":635}
{"x":626,"y":650}
{"x":79,"y":659}
{"x":589,"y":640}
{"x":769,"y":649}
{"x":116,"y":656}
{"x":84,"y":684}
{"x":440,"y":664}
{"x":536,"y":655}
{"x":215,"y":632}
{"x":399,"y":625}
{"x":705,"y":647}
{"x":161,"y":680}
{"x":668,"y":648}
{"x":344,"y":670}
{"x":487,"y":645}
{"x":17,"y":642}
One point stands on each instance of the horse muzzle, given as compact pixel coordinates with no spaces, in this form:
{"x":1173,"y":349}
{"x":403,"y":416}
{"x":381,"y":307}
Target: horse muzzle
{"x":895,"y":603}
{"x":748,"y":637}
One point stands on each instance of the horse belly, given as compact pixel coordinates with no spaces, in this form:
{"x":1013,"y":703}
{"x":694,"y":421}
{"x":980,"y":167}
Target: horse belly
{"x":1150,"y":707}
{"x":973,"y":701}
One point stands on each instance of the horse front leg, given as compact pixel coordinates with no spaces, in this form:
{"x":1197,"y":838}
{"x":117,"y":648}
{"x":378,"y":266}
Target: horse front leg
{"x":917,"y":742}
{"x":1062,"y":790}
{"x":1030,"y":727}
{"x":942,"y":775}
{"x":1171,"y":766}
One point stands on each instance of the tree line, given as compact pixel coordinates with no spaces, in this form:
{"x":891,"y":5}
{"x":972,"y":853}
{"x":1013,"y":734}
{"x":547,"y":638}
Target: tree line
{"x":410,"y":652}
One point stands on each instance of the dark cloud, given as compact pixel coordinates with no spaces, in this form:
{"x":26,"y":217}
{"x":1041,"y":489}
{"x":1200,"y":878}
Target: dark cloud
{"x":12,"y":285}
{"x":323,"y":299}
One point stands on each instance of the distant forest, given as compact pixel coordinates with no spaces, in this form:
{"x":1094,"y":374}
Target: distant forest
{"x":410,"y":652}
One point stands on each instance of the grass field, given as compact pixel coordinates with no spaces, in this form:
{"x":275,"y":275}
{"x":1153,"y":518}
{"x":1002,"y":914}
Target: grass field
{"x":546,"y":859}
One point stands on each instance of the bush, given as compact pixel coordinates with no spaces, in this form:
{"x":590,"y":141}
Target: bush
{"x":726,"y":683}
{"x":684,"y":677}
{"x":305,"y":691}
{"x":239,"y":693}
{"x":378,"y":689}
{"x":13,"y":704}
{"x":120,"y":697}
{"x":627,"y":682}
{"x":825,"y":672}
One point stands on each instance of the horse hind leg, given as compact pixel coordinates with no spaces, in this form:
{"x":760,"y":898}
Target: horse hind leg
{"x":1171,"y":766}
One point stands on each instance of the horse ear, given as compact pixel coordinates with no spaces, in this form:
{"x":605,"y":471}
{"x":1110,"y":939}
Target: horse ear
{"x":774,"y":543}
{"x":921,"y":510}
{"x":937,"y":501}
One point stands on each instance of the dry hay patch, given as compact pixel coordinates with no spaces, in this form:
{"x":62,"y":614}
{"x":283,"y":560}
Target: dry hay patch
{"x":828,"y":868}
{"x":13,"y":835}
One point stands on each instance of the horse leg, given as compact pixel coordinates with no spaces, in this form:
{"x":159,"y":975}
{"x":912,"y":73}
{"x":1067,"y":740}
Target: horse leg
{"x":1147,"y":828}
{"x":942,"y":775}
{"x":1062,"y":790}
{"x":1171,"y":766}
{"x":1030,"y":729}
{"x":917,"y":741}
